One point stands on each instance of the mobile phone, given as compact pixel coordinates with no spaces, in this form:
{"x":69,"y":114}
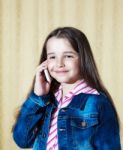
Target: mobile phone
{"x":48,"y":78}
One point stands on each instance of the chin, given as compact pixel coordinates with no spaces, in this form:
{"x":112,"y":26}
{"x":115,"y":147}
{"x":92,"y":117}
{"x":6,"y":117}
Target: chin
{"x":62,"y":80}
{"x":68,"y":81}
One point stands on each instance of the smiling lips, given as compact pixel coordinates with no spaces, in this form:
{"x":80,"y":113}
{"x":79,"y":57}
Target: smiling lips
{"x":61,"y":72}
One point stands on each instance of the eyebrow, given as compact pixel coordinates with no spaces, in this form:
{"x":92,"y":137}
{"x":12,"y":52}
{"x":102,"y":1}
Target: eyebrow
{"x":70,"y":52}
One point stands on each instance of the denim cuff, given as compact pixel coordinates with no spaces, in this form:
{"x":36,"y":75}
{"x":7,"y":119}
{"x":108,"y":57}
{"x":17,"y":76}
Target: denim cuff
{"x":42,"y":101}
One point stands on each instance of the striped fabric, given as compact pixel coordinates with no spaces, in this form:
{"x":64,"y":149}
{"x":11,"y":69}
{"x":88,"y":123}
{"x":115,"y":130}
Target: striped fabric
{"x":81,"y":87}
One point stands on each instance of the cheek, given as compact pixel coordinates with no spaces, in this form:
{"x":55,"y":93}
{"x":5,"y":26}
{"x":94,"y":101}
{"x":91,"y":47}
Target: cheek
{"x":76,"y":66}
{"x":49,"y":65}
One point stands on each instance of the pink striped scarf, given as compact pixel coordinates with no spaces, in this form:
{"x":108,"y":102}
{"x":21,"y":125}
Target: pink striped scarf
{"x":81,"y":87}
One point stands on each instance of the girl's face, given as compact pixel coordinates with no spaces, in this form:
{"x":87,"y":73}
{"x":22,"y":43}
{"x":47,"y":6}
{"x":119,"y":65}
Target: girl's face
{"x":63,"y":60}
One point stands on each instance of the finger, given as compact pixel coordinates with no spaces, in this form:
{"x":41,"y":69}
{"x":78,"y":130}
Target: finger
{"x":40,"y":70}
{"x":41,"y":67}
{"x":43,"y":63}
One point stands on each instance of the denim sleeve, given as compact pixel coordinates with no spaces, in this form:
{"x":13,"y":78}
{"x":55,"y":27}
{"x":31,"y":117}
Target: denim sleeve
{"x":107,"y":135}
{"x":31,"y":116}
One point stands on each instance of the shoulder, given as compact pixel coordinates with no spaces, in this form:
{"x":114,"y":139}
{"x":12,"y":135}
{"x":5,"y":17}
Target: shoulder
{"x":103,"y":104}
{"x":99,"y":101}
{"x":100,"y":98}
{"x":94,"y":98}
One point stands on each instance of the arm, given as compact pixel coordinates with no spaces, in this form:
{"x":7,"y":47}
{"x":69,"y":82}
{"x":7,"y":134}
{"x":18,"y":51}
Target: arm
{"x":31,"y":116}
{"x":107,"y":133}
{"x":32,"y":112}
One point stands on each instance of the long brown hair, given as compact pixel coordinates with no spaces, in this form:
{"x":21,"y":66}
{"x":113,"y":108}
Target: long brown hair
{"x":88,"y":68}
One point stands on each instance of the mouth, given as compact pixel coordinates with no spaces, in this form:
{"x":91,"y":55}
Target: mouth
{"x":61,"y":72}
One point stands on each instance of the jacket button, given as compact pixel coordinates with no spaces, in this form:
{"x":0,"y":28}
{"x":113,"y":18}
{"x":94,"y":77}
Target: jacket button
{"x":61,"y":129}
{"x":83,"y":124}
{"x":35,"y":130}
{"x":63,"y":110}
{"x":43,"y":135}
{"x":47,"y":103}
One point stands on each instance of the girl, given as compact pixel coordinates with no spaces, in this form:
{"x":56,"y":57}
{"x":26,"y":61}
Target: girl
{"x":68,"y":108}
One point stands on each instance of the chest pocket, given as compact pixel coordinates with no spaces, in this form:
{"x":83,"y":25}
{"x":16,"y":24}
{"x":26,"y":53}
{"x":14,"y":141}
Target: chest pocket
{"x":84,"y":122}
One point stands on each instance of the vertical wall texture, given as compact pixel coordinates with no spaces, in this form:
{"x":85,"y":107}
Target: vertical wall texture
{"x":24,"y":24}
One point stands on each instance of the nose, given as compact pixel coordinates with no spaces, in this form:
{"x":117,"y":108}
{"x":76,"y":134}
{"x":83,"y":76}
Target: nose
{"x":60,"y":62}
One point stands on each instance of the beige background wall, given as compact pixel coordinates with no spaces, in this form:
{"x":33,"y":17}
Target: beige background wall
{"x":24,"y":25}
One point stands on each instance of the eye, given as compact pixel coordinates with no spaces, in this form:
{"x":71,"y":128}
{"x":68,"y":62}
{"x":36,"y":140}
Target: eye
{"x":68,"y":56}
{"x":51,"y":57}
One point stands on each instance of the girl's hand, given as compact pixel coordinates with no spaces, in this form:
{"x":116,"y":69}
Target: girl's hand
{"x":41,"y":86}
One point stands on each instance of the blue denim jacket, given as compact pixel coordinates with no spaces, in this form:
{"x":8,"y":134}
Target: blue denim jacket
{"x":87,"y":123}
